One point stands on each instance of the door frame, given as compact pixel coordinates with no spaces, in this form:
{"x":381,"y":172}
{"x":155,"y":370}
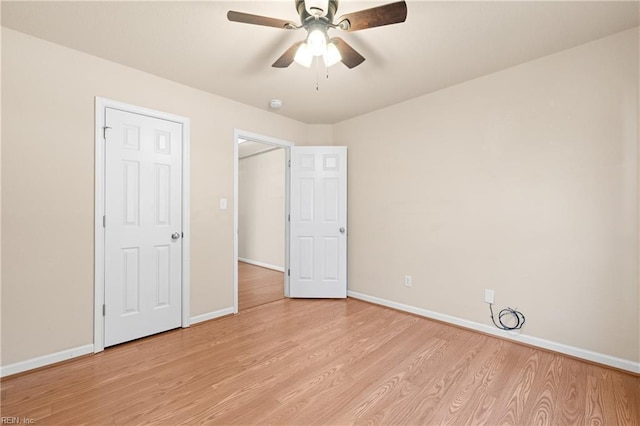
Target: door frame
{"x":99,"y":207}
{"x":267,"y":140}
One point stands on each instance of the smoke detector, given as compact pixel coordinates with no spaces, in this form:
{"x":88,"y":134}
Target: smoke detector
{"x":275,"y":103}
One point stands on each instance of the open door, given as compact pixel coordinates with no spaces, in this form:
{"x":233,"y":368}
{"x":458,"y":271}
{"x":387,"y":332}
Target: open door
{"x":318,"y":228}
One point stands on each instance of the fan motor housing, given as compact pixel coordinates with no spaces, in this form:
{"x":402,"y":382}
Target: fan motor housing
{"x":304,"y":15}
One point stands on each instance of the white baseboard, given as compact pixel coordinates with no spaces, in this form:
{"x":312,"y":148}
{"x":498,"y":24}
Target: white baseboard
{"x":45,"y":360}
{"x":211,"y":315}
{"x":611,"y":361}
{"x":261,"y":264}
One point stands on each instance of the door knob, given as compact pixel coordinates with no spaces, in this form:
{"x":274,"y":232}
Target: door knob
{"x":342,"y":230}
{"x":175,"y":236}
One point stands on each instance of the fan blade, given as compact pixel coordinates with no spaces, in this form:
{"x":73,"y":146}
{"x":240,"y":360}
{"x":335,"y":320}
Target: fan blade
{"x":392,"y":13}
{"x":287,"y":57}
{"x":350,"y":57}
{"x":247,"y":18}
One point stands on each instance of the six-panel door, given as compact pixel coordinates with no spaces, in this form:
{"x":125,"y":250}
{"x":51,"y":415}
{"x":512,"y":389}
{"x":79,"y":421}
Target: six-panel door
{"x":318,"y":252}
{"x":143,"y":196}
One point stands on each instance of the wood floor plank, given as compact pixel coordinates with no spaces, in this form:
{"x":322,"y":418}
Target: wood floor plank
{"x":343,"y":355}
{"x":595,"y":410}
{"x":620,"y":400}
{"x":547,"y":385}
{"x":441,"y":390}
{"x":381,"y":398}
{"x":332,"y":362}
{"x":515,"y":393}
{"x":358,"y":373}
{"x":472,"y":400}
{"x":630,"y":391}
{"x":571,"y":393}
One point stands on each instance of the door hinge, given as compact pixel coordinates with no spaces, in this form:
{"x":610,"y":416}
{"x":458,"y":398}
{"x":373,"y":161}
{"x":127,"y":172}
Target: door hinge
{"x":289,"y":272}
{"x":104,"y":132}
{"x":289,"y":163}
{"x":104,"y":221}
{"x":182,"y":235}
{"x":289,"y":217}
{"x":104,"y":310}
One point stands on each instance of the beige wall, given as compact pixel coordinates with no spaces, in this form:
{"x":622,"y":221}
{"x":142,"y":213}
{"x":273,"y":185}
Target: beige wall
{"x":524,"y":181}
{"x":261,"y":207}
{"x":48,"y":197}
{"x":320,"y":134}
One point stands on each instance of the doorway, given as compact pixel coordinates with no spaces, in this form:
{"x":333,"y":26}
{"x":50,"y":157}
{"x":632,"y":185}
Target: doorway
{"x":261,"y":229}
{"x":261,"y":223}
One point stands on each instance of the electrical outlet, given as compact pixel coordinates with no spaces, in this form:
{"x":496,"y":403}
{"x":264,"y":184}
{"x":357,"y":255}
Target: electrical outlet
{"x":408,"y":281}
{"x":488,"y":296}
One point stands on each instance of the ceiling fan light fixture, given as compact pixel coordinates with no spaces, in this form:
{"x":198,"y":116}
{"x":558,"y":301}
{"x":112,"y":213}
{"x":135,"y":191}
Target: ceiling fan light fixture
{"x":304,"y":56}
{"x":317,"y":42}
{"x":317,"y":17}
{"x":332,"y":56}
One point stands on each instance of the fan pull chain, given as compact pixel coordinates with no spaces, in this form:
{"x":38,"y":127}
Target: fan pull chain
{"x":317,"y":60}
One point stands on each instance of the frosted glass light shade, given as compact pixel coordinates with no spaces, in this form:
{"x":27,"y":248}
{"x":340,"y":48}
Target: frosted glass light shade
{"x":317,"y":42}
{"x":332,"y":56}
{"x":303,"y":55}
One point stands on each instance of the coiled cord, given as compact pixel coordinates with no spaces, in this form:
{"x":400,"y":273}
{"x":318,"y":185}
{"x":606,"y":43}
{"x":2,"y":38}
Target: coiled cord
{"x":519,"y":318}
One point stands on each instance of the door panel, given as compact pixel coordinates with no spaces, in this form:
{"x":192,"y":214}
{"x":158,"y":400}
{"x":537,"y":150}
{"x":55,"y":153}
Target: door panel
{"x":318,"y":264}
{"x":143,"y":208}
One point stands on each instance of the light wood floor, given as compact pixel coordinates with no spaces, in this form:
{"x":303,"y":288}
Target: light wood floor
{"x":257,"y":286}
{"x":323,"y":362}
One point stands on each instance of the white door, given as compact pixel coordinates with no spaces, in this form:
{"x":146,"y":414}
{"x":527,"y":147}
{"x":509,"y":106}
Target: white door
{"x":318,"y":259}
{"x":143,"y":226}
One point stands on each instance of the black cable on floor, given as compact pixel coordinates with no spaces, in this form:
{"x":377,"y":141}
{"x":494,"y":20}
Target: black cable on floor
{"x":519,"y":317}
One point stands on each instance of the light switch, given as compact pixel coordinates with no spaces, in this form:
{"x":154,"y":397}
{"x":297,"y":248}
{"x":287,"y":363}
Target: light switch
{"x":223,"y":203}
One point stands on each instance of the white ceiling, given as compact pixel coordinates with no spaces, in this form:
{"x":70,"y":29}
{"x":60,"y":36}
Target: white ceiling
{"x":440,"y":44}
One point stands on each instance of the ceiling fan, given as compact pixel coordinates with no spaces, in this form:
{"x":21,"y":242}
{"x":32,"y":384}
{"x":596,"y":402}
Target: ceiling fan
{"x":317,"y":17}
